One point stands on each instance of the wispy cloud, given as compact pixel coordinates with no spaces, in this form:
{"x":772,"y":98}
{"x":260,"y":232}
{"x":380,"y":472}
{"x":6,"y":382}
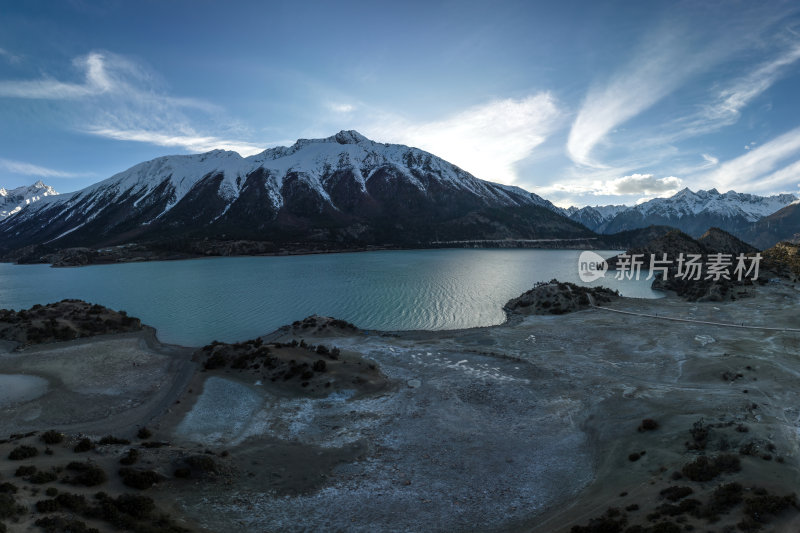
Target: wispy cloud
{"x":487,"y":140}
{"x":29,"y":169}
{"x":341,"y":107}
{"x":659,"y":69}
{"x":733,"y":99}
{"x":192,"y":143}
{"x":122,"y":100}
{"x":710,"y":160}
{"x":8,"y":56}
{"x":758,"y":170}
{"x":726,"y":104}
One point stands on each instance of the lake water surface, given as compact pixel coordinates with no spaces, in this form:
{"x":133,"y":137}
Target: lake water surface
{"x":236,"y":298}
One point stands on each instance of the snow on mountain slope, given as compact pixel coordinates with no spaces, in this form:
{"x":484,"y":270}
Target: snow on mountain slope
{"x":694,"y":212}
{"x":345,"y":181}
{"x":594,"y":216}
{"x":311,"y":159}
{"x":729,"y":204}
{"x":14,"y":200}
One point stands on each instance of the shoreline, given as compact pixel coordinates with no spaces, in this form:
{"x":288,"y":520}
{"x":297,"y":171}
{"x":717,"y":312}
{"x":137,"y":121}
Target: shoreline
{"x":541,"y":244}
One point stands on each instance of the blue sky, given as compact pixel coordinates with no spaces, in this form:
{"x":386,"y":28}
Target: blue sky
{"x":580,"y":102}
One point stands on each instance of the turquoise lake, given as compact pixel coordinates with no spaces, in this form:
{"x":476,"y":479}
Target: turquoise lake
{"x":236,"y":298}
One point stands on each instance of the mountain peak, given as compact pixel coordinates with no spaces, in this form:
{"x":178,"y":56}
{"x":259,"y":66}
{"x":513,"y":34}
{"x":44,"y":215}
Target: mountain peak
{"x":349,"y":137}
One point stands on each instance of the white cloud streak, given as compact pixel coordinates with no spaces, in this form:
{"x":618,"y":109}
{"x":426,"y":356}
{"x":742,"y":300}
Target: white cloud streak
{"x":654,"y":73}
{"x":733,"y":99}
{"x":486,"y":140}
{"x":192,"y":143}
{"x":121,"y":101}
{"x":29,"y":169}
{"x":758,"y":170}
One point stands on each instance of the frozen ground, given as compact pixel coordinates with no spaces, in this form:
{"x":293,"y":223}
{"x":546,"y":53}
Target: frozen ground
{"x":493,"y":428}
{"x":19,"y":388}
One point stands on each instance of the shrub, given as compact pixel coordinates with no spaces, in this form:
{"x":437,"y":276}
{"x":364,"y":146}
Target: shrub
{"x":319,"y":366}
{"x":144,"y":433}
{"x":9,"y":507}
{"x":72,"y":502}
{"x":648,"y":424}
{"x":21,"y":453}
{"x":131,"y":457}
{"x":52,"y":437}
{"x":84,"y":445}
{"x":699,"y":434}
{"x":47,"y":506}
{"x":723,"y":498}
{"x":139,"y":479}
{"x":761,"y":505}
{"x":109,"y":439}
{"x":201,"y":463}
{"x":41,"y":477}
{"x":676,"y":493}
{"x":705,"y":469}
{"x":23,"y":471}
{"x":135,"y":505}
{"x":88,"y":475}
{"x":611,"y":522}
{"x":58,"y":524}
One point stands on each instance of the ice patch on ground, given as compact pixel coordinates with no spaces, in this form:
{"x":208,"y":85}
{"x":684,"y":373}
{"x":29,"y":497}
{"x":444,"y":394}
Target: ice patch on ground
{"x":222,"y":413}
{"x":18,"y":388}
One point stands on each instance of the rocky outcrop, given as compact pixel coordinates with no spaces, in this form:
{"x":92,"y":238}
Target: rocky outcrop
{"x":557,"y":298}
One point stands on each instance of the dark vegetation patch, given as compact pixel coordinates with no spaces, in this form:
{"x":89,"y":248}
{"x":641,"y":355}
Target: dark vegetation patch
{"x":127,"y":512}
{"x":144,"y":433}
{"x":706,"y":468}
{"x":63,"y":321}
{"x":20,"y":453}
{"x":52,"y":437}
{"x":130,"y":458}
{"x":196,"y":466}
{"x":648,"y":424}
{"x":139,"y":479}
{"x":676,"y":493}
{"x":109,"y":439}
{"x":84,"y":445}
{"x":61,"y":524}
{"x":86,"y":474}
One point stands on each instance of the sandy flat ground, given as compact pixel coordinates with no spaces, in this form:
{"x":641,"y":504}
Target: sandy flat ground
{"x":521,"y":427}
{"x":108,"y":384}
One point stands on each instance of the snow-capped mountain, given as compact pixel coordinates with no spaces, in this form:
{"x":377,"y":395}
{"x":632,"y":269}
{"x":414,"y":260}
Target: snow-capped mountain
{"x":341,"y":189}
{"x":15,"y":199}
{"x":594,"y":216}
{"x":691,"y":212}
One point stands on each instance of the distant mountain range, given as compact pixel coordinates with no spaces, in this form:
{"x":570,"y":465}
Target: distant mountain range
{"x":344,"y":192}
{"x":690,"y":212}
{"x":14,"y":200}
